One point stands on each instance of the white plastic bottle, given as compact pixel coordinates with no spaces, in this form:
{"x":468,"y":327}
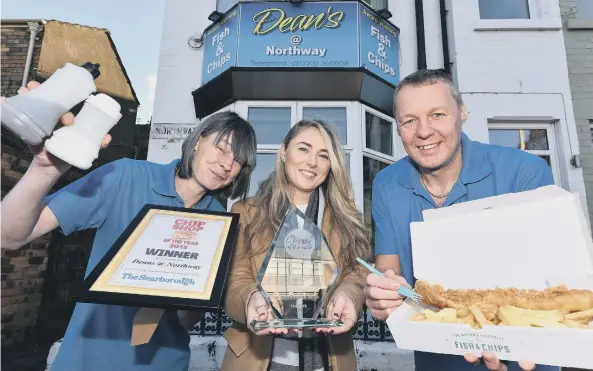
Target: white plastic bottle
{"x":32,"y":116}
{"x":79,"y":144}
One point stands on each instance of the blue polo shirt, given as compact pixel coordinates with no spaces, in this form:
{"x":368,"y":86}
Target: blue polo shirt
{"x":399,"y":198}
{"x":98,"y":336}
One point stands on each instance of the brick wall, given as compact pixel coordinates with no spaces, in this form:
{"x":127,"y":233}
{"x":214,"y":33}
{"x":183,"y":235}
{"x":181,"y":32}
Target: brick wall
{"x":22,"y":285}
{"x":24,"y":271}
{"x":24,"y":278}
{"x":39,"y":279}
{"x":14,"y":46}
{"x":579,"y":50}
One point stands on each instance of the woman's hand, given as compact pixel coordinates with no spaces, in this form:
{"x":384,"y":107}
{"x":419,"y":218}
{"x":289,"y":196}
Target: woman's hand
{"x":340,"y":308}
{"x":258,"y":309}
{"x":493,"y":363}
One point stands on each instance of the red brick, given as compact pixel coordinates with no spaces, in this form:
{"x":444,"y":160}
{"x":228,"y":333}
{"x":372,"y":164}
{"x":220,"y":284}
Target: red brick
{"x":40,"y":267}
{"x":16,"y":276}
{"x":19,"y":261}
{"x":34,"y":274}
{"x":13,"y":292}
{"x":13,"y":300}
{"x":35,"y":298}
{"x":7,"y":317}
{"x":36,"y":260}
{"x":28,"y":283}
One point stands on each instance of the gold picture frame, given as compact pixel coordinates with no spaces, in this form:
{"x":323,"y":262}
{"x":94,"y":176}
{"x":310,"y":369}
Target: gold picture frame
{"x":168,"y":257}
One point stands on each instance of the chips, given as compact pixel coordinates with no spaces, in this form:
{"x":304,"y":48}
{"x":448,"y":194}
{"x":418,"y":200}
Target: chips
{"x":509,"y":316}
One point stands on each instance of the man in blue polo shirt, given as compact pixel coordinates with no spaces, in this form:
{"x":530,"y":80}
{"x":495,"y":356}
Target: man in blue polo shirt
{"x":218,"y":157}
{"x":443,"y":167}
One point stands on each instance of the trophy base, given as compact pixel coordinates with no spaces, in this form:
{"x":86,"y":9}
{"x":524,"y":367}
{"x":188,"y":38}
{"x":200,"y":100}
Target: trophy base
{"x":296,"y":323}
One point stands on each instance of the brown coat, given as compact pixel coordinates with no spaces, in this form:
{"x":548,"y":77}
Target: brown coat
{"x":247,"y":351}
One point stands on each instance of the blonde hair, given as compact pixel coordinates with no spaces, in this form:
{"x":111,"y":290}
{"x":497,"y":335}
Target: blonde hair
{"x":272,"y":201}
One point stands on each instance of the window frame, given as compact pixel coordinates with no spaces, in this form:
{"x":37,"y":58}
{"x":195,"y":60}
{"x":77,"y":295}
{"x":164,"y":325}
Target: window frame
{"x":552,"y":151}
{"x":397,"y":150}
{"x":376,"y":6}
{"x":375,"y":155}
{"x":352,"y":148}
{"x":531,"y":11}
{"x":244,"y":106}
{"x":355,"y":147}
{"x":350,"y":122}
{"x":232,"y":2}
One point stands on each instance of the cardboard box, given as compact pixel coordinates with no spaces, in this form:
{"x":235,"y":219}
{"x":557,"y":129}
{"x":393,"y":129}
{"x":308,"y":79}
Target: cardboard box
{"x":527,"y":240}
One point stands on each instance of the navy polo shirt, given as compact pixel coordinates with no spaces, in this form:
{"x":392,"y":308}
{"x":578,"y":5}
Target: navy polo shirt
{"x":98,"y":336}
{"x":399,"y":198}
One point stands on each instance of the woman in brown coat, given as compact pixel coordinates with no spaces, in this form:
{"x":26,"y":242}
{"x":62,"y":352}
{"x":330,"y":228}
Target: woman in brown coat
{"x":310,"y":174}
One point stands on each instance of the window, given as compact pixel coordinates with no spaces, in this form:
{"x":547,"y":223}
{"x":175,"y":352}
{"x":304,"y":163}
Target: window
{"x":504,"y":9}
{"x":378,"y":153}
{"x":265,"y":165}
{"x":272,"y":120}
{"x":376,"y":4}
{"x":591,"y":129}
{"x":370,"y":168}
{"x":537,"y":139}
{"x":585,"y":8}
{"x":335,"y":116}
{"x":379,"y":134}
{"x":270,"y":123}
{"x":224,"y":5}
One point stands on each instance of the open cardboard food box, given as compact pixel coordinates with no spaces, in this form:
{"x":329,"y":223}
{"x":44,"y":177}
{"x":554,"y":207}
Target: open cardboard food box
{"x":529,"y":240}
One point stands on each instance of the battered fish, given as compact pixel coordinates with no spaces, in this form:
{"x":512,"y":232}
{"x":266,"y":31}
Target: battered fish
{"x":555,"y":298}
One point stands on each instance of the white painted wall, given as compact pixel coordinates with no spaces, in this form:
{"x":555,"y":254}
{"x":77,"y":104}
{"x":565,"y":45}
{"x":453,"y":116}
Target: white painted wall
{"x":179,"y":71}
{"x":433,"y":36}
{"x":404,"y":17}
{"x":516,"y":68}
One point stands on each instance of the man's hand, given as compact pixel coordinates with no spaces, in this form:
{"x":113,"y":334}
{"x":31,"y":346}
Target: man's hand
{"x":381,"y":293}
{"x":493,"y":363}
{"x":43,"y":160}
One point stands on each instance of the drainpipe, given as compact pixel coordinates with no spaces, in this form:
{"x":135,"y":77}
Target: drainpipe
{"x":34,"y":27}
{"x":446,"y":61}
{"x":420,"y":42}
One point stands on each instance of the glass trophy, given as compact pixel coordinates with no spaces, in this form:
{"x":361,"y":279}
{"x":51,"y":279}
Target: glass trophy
{"x":297,"y":276}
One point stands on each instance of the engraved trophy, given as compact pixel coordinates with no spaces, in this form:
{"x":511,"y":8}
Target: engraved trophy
{"x":297,"y":275}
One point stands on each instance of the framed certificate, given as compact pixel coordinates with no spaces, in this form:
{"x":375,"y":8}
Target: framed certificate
{"x":168,"y":257}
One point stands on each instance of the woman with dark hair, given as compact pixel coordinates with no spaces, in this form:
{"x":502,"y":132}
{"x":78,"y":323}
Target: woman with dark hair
{"x":309,"y":175}
{"x":218,"y":157}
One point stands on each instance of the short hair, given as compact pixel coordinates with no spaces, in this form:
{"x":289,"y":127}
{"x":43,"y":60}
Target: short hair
{"x":428,"y":77}
{"x":244,"y":147}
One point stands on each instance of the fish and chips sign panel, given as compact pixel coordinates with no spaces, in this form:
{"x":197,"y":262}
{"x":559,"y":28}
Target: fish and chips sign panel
{"x":379,"y":46}
{"x":308,"y":35}
{"x":220,"y":46}
{"x":167,"y":257}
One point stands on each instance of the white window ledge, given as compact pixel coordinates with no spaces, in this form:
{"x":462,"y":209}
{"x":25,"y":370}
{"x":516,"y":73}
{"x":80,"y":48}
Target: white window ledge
{"x":518,"y":25}
{"x":580,"y":24}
